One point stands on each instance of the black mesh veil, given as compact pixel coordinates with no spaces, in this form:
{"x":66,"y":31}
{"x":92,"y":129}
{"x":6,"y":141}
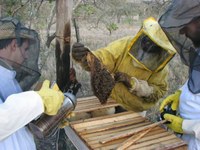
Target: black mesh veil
{"x":148,"y":53}
{"x":179,"y":14}
{"x":194,"y":71}
{"x":28,"y":72}
{"x":180,"y":42}
{"x":189,"y":55}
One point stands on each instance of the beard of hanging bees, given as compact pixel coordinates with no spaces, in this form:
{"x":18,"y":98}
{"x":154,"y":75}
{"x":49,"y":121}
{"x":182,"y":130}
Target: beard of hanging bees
{"x":102,"y":81}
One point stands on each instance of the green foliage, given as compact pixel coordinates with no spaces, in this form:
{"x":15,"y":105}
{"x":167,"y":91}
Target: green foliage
{"x":111,"y":27}
{"x":85,"y":10}
{"x":50,"y":1}
{"x":11,"y":2}
{"x":9,"y":6}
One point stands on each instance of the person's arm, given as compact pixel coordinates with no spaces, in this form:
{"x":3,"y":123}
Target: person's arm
{"x":191,"y":127}
{"x":18,"y":110}
{"x":110,"y":56}
{"x":113,"y":54}
{"x":180,"y":125}
{"x":159,"y":84}
{"x":150,"y":90}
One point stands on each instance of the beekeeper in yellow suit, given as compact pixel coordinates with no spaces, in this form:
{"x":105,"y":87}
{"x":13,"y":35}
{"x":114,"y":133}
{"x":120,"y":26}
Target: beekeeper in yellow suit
{"x":139,"y":65}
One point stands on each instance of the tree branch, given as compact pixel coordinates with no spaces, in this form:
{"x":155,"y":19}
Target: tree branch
{"x":50,"y":38}
{"x":18,"y":8}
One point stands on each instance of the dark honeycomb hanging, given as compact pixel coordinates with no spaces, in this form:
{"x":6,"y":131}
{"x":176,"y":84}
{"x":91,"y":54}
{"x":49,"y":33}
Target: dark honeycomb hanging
{"x":102,"y":81}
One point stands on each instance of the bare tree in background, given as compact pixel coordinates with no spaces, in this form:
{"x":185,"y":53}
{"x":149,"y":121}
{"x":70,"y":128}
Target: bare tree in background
{"x":63,"y":33}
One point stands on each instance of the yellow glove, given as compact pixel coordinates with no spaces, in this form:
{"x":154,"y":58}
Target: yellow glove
{"x":174,"y":99}
{"x":66,"y":120}
{"x":176,"y":123}
{"x":52,"y":98}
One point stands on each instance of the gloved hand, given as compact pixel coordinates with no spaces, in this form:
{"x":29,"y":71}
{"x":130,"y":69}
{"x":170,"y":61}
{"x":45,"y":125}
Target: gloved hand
{"x":174,"y":99}
{"x":176,"y":123}
{"x":52,"y":98}
{"x":79,"y":51}
{"x":125,"y":79}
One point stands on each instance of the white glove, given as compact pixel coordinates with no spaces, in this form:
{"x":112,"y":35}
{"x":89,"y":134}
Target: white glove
{"x":141,"y":88}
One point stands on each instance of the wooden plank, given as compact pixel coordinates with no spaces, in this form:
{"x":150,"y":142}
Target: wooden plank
{"x":106,"y":120}
{"x":154,"y":143}
{"x":105,"y":134}
{"x":112,"y":125}
{"x":99,"y":118}
{"x":171,"y":145}
{"x":133,"y":139}
{"x":110,"y":145}
{"x":114,"y":144}
{"x":156,"y":133}
{"x":107,"y":116}
{"x":106,"y":126}
{"x":96,"y":142}
{"x":158,"y":144}
{"x":130,"y":132}
{"x":92,"y":103}
{"x":91,"y":108}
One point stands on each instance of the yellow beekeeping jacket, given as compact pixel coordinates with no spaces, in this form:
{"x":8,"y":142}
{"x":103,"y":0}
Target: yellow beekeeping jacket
{"x":116,"y":59}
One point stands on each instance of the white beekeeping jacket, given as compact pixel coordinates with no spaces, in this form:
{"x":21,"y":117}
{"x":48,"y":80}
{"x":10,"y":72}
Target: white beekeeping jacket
{"x":189,"y":107}
{"x":16,"y":111}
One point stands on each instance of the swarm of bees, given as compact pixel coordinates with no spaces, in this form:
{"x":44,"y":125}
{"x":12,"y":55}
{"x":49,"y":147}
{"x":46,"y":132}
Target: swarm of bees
{"x":102,"y":81}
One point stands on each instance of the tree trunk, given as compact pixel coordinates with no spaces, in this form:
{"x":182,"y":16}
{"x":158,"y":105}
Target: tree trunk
{"x":63,"y":32}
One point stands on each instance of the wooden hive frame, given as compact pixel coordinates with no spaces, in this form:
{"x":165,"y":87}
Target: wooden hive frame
{"x":91,"y":103}
{"x":98,"y":133}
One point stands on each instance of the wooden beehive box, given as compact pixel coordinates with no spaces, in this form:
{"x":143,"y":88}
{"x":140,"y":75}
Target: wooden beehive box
{"x":109,"y":132}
